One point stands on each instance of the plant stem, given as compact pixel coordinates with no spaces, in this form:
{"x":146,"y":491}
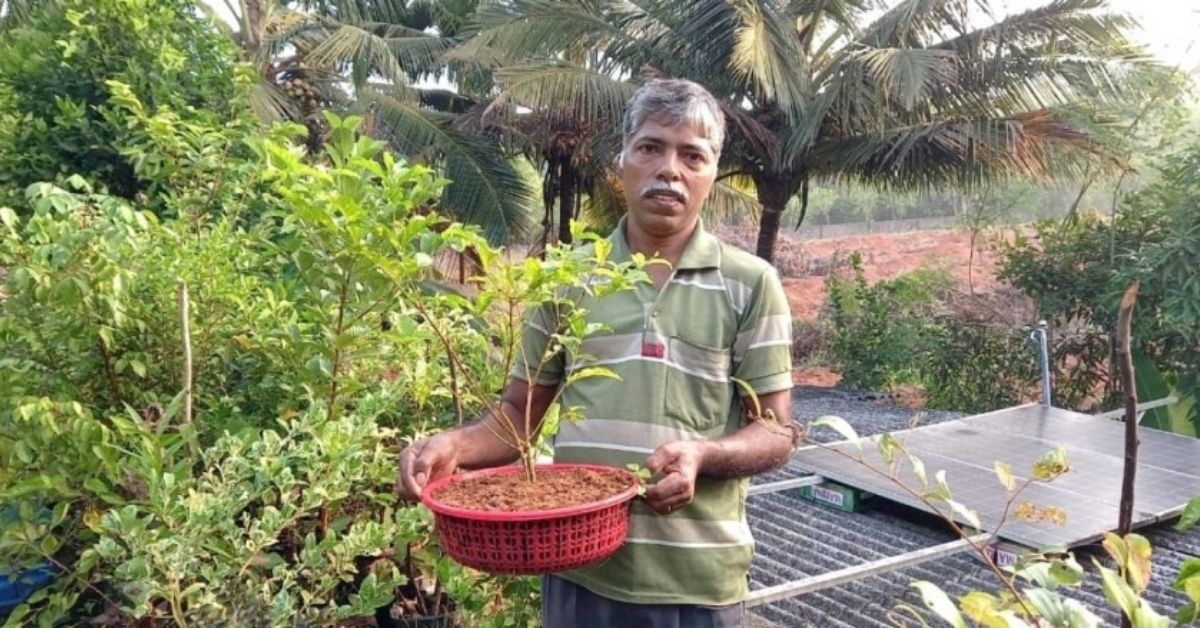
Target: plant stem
{"x":337,"y":352}
{"x":455,"y":395}
{"x":980,"y":548}
{"x":187,"y":352}
{"x":110,"y":374}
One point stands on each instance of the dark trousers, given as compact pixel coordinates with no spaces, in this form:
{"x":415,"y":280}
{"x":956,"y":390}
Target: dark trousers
{"x":568,"y":605}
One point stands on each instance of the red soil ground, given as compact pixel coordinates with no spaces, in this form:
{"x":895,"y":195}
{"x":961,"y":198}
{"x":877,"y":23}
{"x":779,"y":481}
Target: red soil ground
{"x":805,"y":265}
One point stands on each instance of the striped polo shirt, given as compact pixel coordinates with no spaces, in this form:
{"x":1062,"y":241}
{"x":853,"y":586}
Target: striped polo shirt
{"x":721,"y":315}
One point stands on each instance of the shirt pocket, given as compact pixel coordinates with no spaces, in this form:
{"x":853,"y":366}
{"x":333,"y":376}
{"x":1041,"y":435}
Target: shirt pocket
{"x":698,"y":388}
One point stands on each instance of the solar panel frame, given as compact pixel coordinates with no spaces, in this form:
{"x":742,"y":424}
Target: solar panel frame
{"x":1168,"y":470}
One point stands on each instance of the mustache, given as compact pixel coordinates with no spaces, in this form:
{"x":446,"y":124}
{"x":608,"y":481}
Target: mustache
{"x":659,"y":187}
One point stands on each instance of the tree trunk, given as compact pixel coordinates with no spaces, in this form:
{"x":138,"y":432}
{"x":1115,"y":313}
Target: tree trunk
{"x":773,"y":195}
{"x":253,"y":26}
{"x":566,"y":201}
{"x":803,"y":203}
{"x":549,"y":185}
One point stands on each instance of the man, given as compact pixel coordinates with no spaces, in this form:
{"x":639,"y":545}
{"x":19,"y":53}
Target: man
{"x":714,"y":314}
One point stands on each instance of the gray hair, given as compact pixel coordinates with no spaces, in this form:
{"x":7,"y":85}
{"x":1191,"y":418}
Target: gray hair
{"x":675,"y":102}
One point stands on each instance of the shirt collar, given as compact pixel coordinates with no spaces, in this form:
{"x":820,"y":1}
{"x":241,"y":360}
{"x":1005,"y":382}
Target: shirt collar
{"x":703,"y":250}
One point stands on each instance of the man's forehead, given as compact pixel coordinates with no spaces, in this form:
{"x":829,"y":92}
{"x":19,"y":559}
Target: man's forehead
{"x":667,"y":131}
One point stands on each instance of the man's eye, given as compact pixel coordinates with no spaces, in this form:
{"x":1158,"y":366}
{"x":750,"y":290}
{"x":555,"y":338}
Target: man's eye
{"x":648,"y":148}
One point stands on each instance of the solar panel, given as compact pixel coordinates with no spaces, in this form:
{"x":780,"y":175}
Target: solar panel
{"x":1168,"y":470}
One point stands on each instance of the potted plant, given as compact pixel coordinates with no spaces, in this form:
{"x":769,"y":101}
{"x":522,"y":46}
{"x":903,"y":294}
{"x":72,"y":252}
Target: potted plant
{"x":533,"y":518}
{"x":422,"y":601}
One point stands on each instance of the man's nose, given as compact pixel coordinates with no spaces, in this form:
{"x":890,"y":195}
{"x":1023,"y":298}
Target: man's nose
{"x":669,"y":167}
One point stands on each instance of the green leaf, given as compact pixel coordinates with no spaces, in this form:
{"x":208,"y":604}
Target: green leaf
{"x":887,"y":446}
{"x":1066,"y":572}
{"x":9,"y":218}
{"x":839,"y":425}
{"x":1190,"y":569}
{"x":1187,"y":614}
{"x":592,"y":371}
{"x":1051,"y":465}
{"x":1117,"y":591}
{"x":1190,"y":516}
{"x":919,"y":469}
{"x":963,"y":512}
{"x":937,"y":601}
{"x":978,"y":606}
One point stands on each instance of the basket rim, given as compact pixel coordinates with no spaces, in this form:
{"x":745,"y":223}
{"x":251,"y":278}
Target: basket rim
{"x":431,"y":502}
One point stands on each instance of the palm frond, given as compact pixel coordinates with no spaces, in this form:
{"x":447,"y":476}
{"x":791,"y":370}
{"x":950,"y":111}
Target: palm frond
{"x":271,"y":104}
{"x":378,"y":48}
{"x":916,"y":23}
{"x":732,"y":199}
{"x":14,"y":13}
{"x":907,"y":75}
{"x":542,"y":29}
{"x":585,"y":93}
{"x":963,"y":152}
{"x":486,"y":190}
{"x":844,"y":13}
{"x":1062,"y":20}
{"x":769,"y":55}
{"x":604,"y":204}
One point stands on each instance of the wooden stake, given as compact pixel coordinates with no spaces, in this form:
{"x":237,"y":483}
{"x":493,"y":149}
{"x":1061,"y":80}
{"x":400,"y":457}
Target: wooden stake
{"x":1124,"y":356}
{"x":187,"y":352}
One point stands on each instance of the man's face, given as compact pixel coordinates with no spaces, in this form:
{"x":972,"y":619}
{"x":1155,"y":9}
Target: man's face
{"x":667,"y":174}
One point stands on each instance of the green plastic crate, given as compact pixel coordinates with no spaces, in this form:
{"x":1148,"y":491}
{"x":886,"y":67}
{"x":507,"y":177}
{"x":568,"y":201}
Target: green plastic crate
{"x":838,"y":496}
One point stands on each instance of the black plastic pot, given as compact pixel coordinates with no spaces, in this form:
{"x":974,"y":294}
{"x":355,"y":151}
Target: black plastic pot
{"x":384,"y":619}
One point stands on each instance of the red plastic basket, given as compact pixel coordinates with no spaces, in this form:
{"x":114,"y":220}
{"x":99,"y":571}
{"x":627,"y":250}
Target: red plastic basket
{"x":533,"y":541}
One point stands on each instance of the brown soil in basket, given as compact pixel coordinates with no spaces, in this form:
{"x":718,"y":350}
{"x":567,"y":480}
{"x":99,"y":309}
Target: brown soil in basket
{"x":511,"y":492}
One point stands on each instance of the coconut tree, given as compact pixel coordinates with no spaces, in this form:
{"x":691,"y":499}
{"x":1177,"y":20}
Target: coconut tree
{"x":925,"y":94}
{"x":369,"y":57}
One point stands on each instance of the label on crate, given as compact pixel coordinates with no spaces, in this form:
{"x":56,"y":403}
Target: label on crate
{"x":1003,"y":556}
{"x":829,"y":496}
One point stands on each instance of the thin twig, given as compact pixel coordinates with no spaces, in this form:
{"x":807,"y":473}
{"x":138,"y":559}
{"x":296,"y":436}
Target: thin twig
{"x":110,"y":374}
{"x":980,"y":548}
{"x":186,"y":334}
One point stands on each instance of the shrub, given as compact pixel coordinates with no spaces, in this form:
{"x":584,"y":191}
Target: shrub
{"x":59,"y":110}
{"x":313,"y":364}
{"x":1076,"y":273}
{"x":882,"y":330}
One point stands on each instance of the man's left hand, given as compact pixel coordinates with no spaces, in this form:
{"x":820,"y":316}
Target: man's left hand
{"x":679,"y":462}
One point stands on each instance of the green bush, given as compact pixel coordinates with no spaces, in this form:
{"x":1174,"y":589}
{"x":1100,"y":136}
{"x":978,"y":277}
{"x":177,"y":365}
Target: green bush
{"x":882,"y":330}
{"x":901,"y":331}
{"x":60,"y":114}
{"x":1076,"y":273}
{"x":315,"y":357}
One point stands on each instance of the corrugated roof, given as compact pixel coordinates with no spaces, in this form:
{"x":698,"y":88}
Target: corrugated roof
{"x":797,"y":538}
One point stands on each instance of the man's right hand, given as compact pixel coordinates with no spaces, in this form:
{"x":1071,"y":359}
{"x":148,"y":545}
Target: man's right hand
{"x":425,"y":461}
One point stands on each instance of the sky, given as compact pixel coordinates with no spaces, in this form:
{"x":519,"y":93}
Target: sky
{"x":1169,"y":28}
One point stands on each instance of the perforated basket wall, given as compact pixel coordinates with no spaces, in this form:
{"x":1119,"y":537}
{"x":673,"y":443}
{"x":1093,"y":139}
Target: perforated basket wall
{"x":532,"y":542}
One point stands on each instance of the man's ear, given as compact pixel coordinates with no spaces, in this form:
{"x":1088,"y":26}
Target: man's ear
{"x":619,"y":161}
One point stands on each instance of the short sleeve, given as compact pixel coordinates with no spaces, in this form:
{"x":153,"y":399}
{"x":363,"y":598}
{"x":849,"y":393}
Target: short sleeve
{"x":535,"y":338}
{"x":762,"y":351}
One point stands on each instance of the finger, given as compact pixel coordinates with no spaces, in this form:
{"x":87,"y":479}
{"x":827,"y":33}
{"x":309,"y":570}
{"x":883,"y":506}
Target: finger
{"x":671,"y":503}
{"x":659,"y":459}
{"x":410,"y":467}
{"x":665,"y":489}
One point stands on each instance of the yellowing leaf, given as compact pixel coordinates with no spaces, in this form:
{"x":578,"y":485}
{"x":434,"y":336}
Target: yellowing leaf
{"x":1004,"y":473}
{"x":937,"y":601}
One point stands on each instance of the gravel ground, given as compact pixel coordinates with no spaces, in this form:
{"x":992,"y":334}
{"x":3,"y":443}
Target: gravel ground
{"x":796,"y":539}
